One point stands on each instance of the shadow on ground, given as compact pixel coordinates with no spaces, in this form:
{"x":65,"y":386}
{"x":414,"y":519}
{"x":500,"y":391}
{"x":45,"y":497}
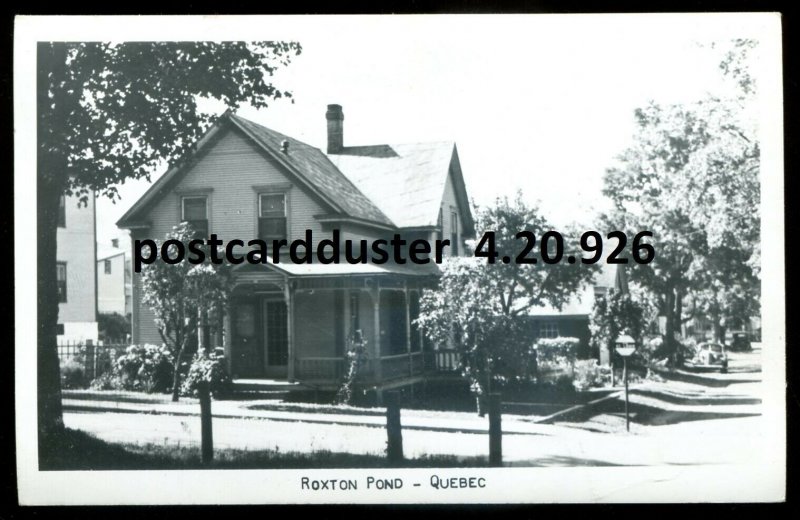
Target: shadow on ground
{"x":77,"y":450}
{"x":699,"y":400}
{"x":646,"y":415}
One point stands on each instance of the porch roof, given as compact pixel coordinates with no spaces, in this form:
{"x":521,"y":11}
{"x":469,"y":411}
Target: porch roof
{"x":344,"y":268}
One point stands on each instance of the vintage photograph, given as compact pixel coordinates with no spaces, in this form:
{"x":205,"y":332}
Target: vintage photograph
{"x":390,"y":258}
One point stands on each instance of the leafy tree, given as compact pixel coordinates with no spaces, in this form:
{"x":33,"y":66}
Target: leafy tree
{"x":113,"y":327}
{"x":615,"y":314}
{"x":691,"y":176}
{"x":183,"y":298}
{"x":108,"y":112}
{"x":477,"y":304}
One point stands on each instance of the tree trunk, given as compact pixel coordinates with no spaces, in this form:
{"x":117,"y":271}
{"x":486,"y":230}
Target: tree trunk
{"x":719,"y":333}
{"x":48,"y":373}
{"x":51,"y":175}
{"x":669,"y":340}
{"x":176,"y":375}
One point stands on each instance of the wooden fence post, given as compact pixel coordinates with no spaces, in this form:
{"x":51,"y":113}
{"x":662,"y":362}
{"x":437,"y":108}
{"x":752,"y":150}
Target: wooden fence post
{"x":207,"y":441}
{"x":89,"y":364}
{"x":394,"y":448}
{"x":495,"y":431}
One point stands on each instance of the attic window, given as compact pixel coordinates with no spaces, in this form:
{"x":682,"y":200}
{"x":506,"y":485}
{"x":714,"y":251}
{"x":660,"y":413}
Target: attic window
{"x":194,"y":210}
{"x":272,"y":217}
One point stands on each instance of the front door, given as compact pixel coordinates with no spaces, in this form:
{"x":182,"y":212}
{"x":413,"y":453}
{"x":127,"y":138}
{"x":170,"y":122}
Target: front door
{"x":276,"y":338}
{"x":247,"y":344}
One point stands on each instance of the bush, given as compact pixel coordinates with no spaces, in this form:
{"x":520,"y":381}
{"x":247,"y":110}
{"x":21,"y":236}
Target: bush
{"x":209,"y":368}
{"x":557,"y":350}
{"x":73,"y":374}
{"x":107,"y":381}
{"x":588,"y":374}
{"x":145,"y":367}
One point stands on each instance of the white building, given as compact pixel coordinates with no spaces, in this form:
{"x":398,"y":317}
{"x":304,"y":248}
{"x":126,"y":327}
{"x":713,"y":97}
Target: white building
{"x":113,"y":279}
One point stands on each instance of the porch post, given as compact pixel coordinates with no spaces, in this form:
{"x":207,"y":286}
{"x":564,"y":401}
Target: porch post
{"x":377,"y":313}
{"x":408,"y":329}
{"x":201,"y":331}
{"x":226,"y":338}
{"x":290,"y":329}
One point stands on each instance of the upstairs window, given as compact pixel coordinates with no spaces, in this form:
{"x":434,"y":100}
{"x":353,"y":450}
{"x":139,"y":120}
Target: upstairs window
{"x":194,"y":210}
{"x":454,"y":231}
{"x":107,"y":266}
{"x":62,"y":211}
{"x":272,"y":217}
{"x":61,"y":281}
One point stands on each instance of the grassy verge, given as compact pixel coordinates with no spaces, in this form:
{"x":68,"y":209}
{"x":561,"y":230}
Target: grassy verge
{"x":77,"y":450}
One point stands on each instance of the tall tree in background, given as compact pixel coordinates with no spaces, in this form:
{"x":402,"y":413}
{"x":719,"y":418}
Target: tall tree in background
{"x":477,"y":302}
{"x":108,"y":112}
{"x":691,"y":177}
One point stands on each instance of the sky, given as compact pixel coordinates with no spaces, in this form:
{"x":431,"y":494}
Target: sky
{"x":541,"y":104}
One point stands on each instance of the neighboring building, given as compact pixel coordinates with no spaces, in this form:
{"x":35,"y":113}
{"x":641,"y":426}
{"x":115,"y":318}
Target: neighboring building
{"x":573,"y":318}
{"x":113,"y":279}
{"x":76,"y":274}
{"x":288,"y":321}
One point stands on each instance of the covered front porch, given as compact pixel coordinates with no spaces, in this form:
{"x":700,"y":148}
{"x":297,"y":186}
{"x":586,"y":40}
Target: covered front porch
{"x":292,"y":322}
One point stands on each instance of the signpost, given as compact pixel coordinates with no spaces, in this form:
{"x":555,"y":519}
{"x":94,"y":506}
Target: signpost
{"x":625,"y":346}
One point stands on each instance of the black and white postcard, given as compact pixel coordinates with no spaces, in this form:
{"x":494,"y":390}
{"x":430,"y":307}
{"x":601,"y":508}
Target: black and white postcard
{"x":399,"y":259}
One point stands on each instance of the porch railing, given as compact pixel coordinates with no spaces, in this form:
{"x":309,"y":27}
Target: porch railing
{"x":393,"y":367}
{"x":446,"y":360}
{"x":320,"y":368}
{"x":333,"y":369}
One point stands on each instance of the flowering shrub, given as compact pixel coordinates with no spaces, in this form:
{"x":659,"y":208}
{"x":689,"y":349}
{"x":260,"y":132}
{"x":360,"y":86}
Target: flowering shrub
{"x":106,"y":381}
{"x":145,"y":367}
{"x":554,"y":350}
{"x":209,"y":368}
{"x":356,"y":357}
{"x":588,"y":374}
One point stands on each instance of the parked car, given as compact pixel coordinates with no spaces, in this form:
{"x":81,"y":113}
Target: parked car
{"x":711,"y":354}
{"x":740,"y":341}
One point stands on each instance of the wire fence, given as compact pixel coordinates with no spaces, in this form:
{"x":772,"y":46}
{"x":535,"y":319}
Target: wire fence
{"x":95,"y":359}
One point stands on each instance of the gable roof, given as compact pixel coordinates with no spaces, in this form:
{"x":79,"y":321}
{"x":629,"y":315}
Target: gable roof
{"x":315,"y":166}
{"x":389,"y":186}
{"x":407,"y":179}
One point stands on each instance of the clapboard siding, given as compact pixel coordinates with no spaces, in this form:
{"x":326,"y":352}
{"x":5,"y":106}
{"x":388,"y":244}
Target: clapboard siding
{"x":75,"y":245}
{"x":230,"y":170}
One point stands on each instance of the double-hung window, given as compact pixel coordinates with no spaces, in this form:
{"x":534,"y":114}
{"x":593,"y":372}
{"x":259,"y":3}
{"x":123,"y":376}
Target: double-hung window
{"x":61,"y":281}
{"x":272,"y":217}
{"x":194,"y":210}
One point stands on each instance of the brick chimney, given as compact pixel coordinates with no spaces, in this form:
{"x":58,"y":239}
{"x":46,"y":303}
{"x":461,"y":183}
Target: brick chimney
{"x":335,"y":119}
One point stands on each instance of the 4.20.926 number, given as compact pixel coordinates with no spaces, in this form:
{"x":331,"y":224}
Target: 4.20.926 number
{"x":551,"y":248}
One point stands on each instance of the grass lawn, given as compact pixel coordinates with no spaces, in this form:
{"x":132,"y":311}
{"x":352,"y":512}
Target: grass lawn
{"x":77,"y":450}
